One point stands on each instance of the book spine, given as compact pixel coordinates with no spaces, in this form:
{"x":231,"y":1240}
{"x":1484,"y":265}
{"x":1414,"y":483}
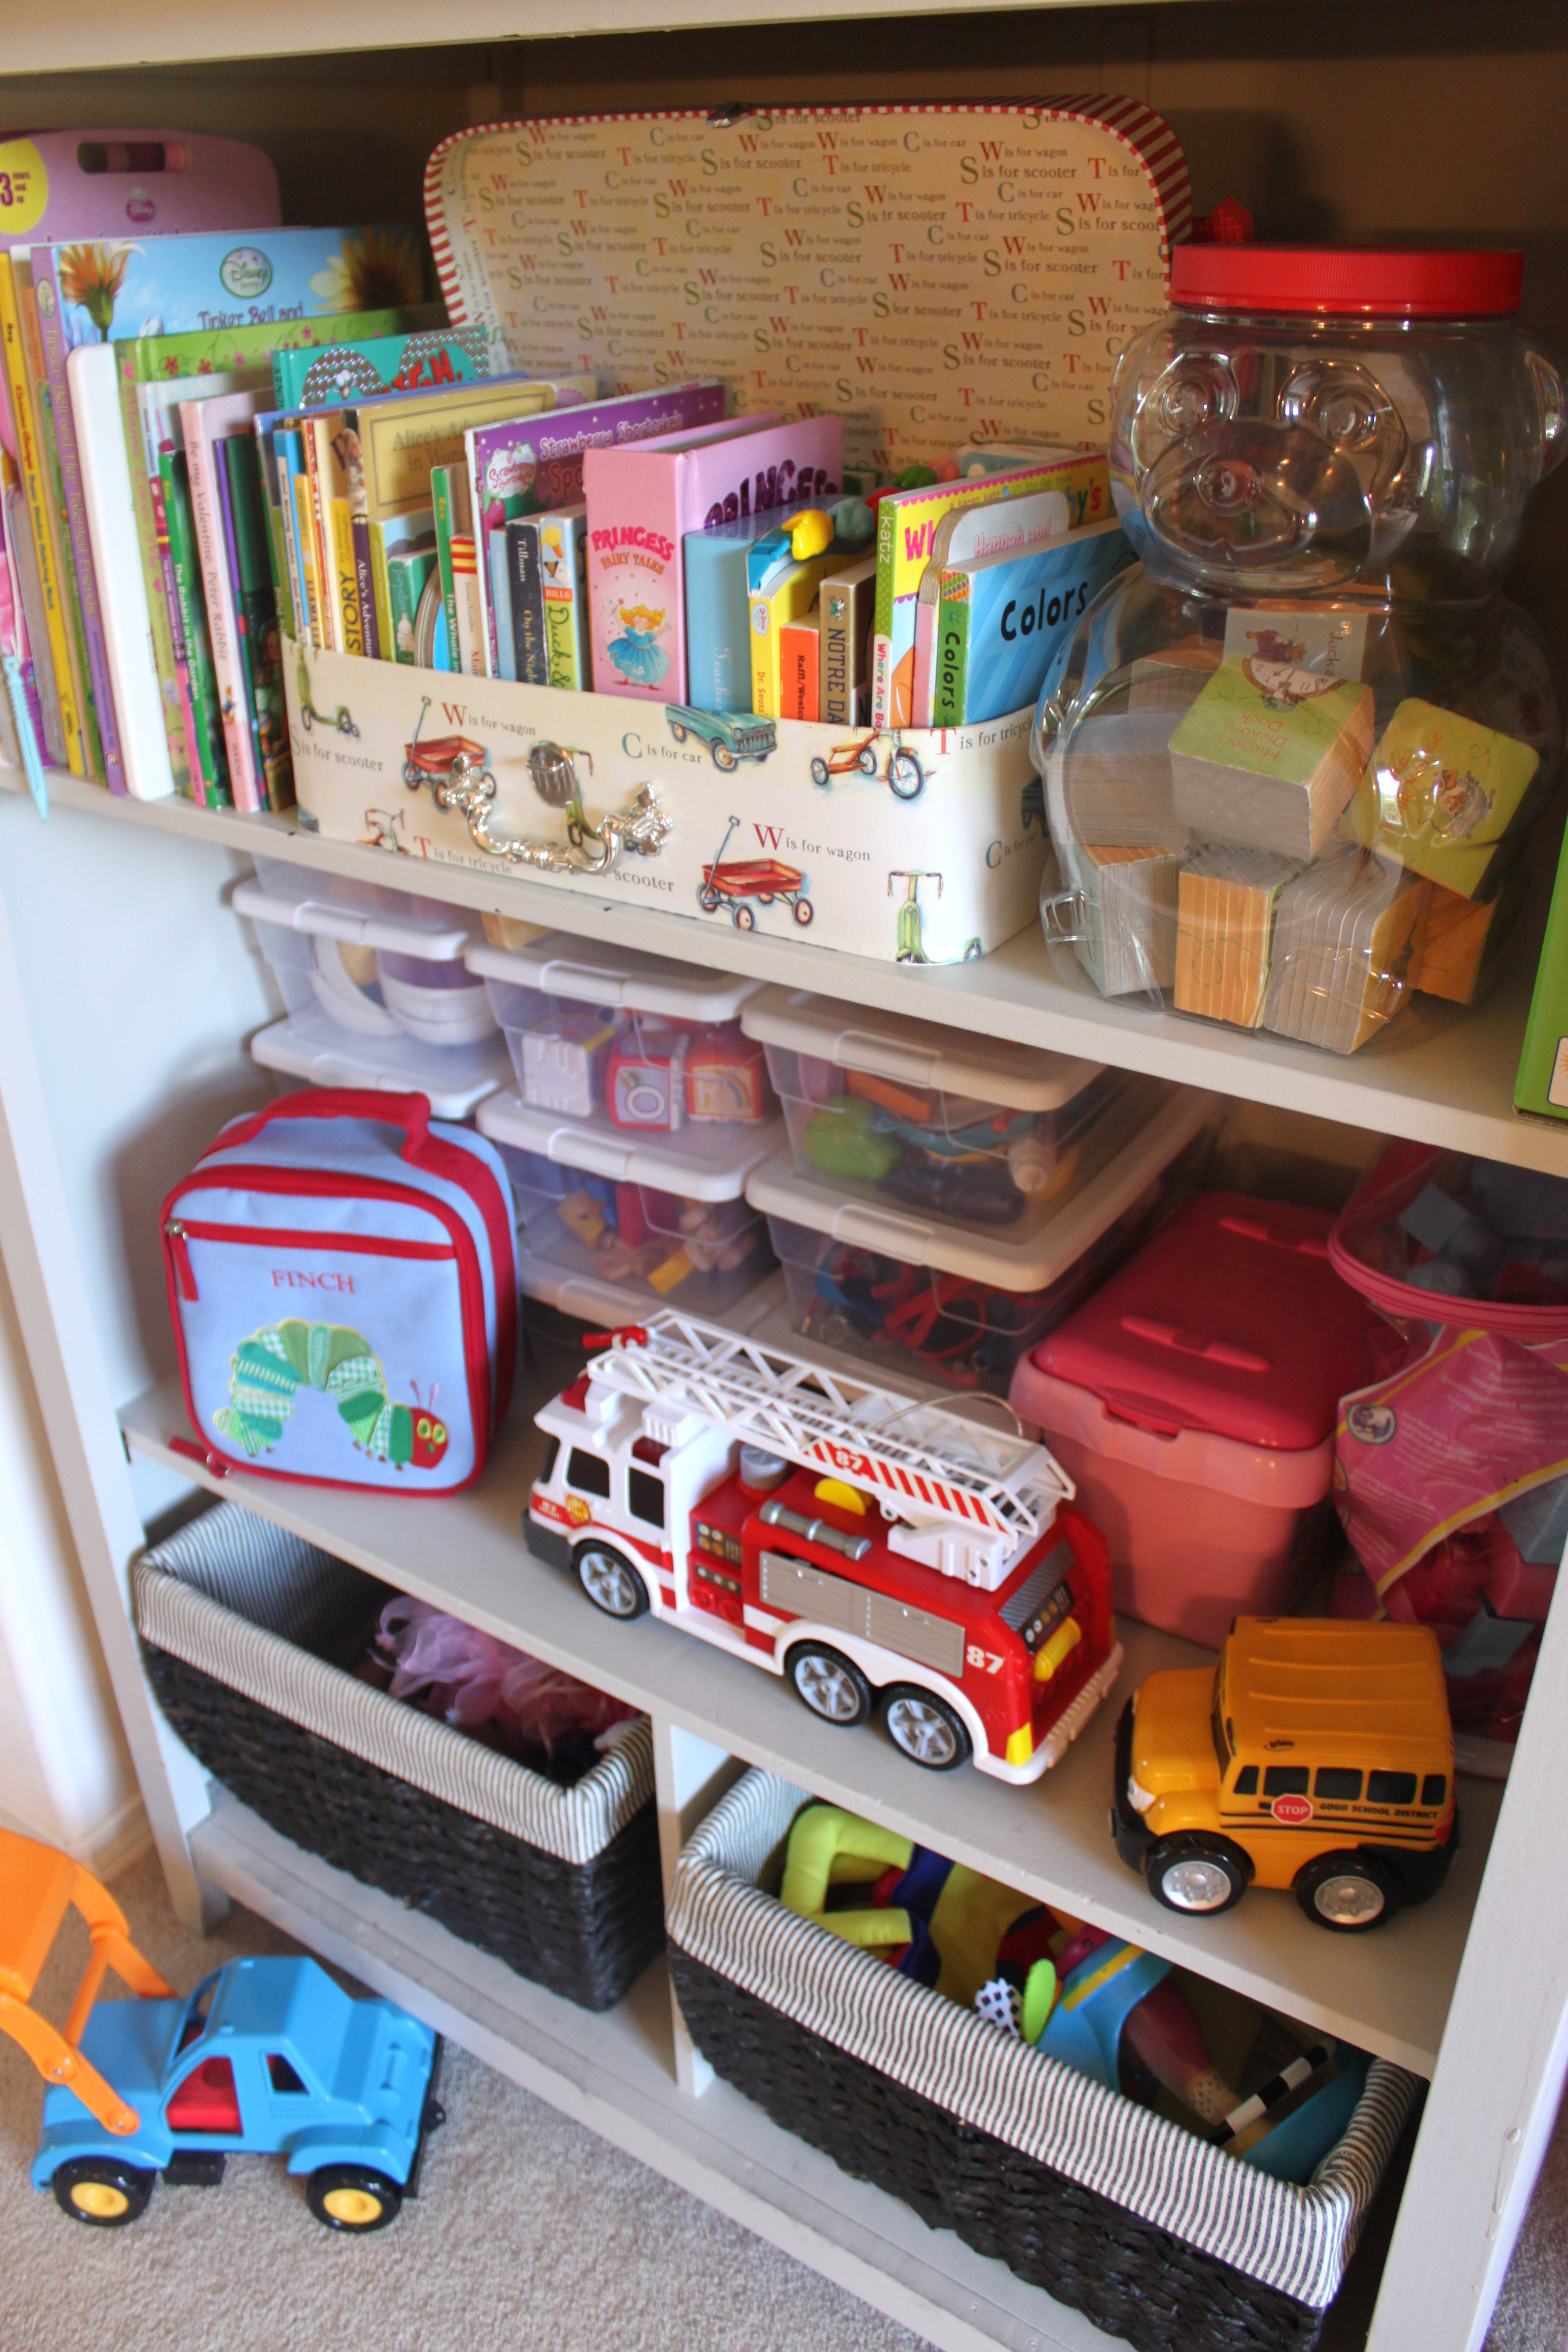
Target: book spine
{"x":41,"y":670}
{"x":305,"y":537}
{"x":441,"y":504}
{"x":257,"y":607}
{"x":209,"y":780}
{"x":191,"y":781}
{"x":146,"y":499}
{"x":404,"y":582}
{"x":346,"y":576}
{"x":764,"y":645}
{"x":465,"y":586}
{"x":565,"y":599}
{"x":359,"y":532}
{"x":882,"y":613}
{"x":283,"y":442}
{"x":527,"y":602}
{"x":318,"y":472}
{"x":276,"y":548}
{"x":52,"y":336}
{"x":950,"y":670}
{"x":54,"y":522}
{"x":500,"y":583}
{"x":222,"y":449}
{"x":222,"y":626}
{"x":68,"y":750}
{"x":490,"y":636}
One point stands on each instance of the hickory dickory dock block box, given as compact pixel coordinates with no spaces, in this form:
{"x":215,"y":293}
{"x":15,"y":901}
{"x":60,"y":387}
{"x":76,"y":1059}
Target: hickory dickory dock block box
{"x":788,"y":256}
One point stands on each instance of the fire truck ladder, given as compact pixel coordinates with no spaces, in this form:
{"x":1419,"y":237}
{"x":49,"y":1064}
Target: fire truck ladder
{"x":933,"y":1464}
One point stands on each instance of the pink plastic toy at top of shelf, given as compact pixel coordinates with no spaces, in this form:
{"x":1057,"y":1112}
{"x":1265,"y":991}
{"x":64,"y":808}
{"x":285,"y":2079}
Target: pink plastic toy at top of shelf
{"x":871,"y":1549}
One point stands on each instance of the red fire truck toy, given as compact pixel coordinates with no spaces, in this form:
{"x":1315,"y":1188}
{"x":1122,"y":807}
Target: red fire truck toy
{"x":863,"y":1545}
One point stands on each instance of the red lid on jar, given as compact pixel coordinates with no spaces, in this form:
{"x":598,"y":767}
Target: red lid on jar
{"x":1356,"y":281}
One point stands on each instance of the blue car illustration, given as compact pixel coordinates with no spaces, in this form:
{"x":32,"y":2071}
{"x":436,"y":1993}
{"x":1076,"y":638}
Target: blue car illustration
{"x":731,"y":735}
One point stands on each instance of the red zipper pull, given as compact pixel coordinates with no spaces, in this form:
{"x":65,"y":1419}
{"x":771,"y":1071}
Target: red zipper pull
{"x":185,"y":1272}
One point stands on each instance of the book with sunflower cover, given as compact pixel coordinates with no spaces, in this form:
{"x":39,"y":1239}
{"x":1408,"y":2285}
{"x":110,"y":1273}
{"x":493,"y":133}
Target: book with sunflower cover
{"x":110,"y":290}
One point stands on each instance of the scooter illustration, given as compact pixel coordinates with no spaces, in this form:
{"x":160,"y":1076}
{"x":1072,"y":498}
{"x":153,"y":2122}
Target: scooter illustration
{"x":341,"y":718}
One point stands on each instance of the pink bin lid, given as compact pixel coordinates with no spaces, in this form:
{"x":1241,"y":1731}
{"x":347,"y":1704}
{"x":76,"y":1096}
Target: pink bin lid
{"x":1231,"y":1320}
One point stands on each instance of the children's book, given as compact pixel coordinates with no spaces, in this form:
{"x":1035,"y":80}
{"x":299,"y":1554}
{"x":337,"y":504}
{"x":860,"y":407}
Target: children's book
{"x":408,"y":571}
{"x":55,"y":520}
{"x":84,"y":292}
{"x":987,"y":527}
{"x":1001,"y":619}
{"x":800,"y":665}
{"x":719,"y":612}
{"x":147,"y":772}
{"x":430,"y":360}
{"x":906,"y":526}
{"x":388,"y":540}
{"x":256,"y":610}
{"x":524,"y":465}
{"x":564,"y":563}
{"x":783,"y":585}
{"x":404,"y":435}
{"x":205,"y":421}
{"x":530,"y":649}
{"x":847,"y":600}
{"x":643,"y":498}
{"x":62,"y":721}
{"x":209,"y":772}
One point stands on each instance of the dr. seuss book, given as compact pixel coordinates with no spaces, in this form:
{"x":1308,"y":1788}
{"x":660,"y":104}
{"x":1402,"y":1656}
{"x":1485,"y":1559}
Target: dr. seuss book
{"x":641,"y":502}
{"x":564,"y":563}
{"x":519,"y":467}
{"x":1001,"y":617}
{"x":428,"y":360}
{"x":906,"y":525}
{"x":105,"y":293}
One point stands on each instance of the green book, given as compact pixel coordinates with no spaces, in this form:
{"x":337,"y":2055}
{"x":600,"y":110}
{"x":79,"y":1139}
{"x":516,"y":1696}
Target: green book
{"x":256,"y":611}
{"x":277,"y":544}
{"x":1541,"y":1086}
{"x":408,"y":571}
{"x":950,"y":667}
{"x":211,"y":787}
{"x":441,"y":506}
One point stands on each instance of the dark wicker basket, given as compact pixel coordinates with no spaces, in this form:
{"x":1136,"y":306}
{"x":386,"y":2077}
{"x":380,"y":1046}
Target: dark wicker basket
{"x":1129,"y":2278}
{"x":586,"y":1929}
{"x":1108,"y":2207}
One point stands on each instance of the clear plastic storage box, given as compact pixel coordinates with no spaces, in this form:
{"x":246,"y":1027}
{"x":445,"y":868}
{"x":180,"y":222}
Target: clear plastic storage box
{"x":931,"y":1302}
{"x":635,"y":1043}
{"x":376,"y":989}
{"x":972,"y":1129}
{"x":664,"y":1219}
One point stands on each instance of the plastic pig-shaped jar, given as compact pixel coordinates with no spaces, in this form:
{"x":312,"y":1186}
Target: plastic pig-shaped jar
{"x":1290,"y":756}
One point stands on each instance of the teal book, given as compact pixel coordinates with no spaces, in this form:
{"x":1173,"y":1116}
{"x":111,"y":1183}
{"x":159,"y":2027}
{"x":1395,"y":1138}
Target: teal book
{"x":718,"y":611}
{"x":426,"y":360}
{"x":408,"y":571}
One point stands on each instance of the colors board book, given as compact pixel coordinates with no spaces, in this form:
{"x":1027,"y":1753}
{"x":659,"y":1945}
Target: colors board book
{"x":203,"y":281}
{"x":968,"y":534}
{"x":522,"y":466}
{"x":906,"y":526}
{"x":1001,"y":617}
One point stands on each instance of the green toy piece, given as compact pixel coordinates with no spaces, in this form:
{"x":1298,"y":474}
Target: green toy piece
{"x":844,"y":1140}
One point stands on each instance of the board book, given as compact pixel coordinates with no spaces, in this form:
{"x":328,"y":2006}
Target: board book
{"x":1001,"y":619}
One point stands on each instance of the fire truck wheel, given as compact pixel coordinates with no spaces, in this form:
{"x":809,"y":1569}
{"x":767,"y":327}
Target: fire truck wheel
{"x":1347,"y":1892}
{"x":1190,"y":1872}
{"x":101,"y":2192}
{"x":927,"y":1730}
{"x":829,"y":1685}
{"x":610,"y":1581}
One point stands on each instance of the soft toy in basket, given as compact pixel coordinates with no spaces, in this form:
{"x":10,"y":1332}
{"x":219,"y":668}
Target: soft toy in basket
{"x":343,"y":1293}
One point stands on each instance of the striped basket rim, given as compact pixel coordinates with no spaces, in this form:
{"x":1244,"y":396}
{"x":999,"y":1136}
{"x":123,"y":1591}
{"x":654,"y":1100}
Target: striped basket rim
{"x":1299,"y":2241}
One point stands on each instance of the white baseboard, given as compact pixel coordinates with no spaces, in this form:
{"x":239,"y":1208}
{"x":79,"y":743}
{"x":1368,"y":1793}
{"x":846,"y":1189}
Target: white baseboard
{"x":109,"y":1848}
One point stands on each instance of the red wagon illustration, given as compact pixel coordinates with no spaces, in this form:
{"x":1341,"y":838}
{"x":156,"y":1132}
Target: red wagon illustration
{"x":762,"y":879}
{"x":444,"y":757}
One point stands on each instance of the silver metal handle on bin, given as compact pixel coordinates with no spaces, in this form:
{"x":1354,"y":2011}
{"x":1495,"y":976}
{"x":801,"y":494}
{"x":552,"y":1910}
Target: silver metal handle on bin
{"x":469,"y":789}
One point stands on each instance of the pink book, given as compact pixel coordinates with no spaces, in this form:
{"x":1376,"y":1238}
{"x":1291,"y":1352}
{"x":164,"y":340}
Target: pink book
{"x":642,"y":498}
{"x":203,"y":421}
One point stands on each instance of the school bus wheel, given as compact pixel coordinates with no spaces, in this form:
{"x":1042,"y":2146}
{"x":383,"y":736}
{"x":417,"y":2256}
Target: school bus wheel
{"x":104,"y":2194}
{"x":1193,"y":1872}
{"x":1349,"y":1892}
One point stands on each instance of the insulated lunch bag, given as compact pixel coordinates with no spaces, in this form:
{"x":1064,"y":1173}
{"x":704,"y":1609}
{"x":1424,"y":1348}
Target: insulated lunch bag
{"x":343,"y":1293}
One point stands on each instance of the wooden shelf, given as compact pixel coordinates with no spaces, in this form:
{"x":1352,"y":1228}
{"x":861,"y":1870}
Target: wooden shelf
{"x":1388,"y":1993}
{"x":1442,"y":1075}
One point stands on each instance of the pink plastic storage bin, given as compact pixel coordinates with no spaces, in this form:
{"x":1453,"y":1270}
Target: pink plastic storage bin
{"x":1192,"y":1400}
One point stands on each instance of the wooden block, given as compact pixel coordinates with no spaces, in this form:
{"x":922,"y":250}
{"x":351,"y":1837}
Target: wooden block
{"x":1268,"y":757}
{"x":1130,"y":916}
{"x":1224,"y":926}
{"x":1439,"y":794}
{"x":1115,"y":781}
{"x":1173,"y":679}
{"x":1349,"y":933}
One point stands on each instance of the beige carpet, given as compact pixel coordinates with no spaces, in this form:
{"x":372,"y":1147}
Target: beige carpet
{"x":530,"y":2234}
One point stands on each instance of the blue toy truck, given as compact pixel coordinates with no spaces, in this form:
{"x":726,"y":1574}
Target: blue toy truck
{"x":266,"y":2057}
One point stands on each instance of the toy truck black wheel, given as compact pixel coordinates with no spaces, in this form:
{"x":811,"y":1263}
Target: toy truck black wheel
{"x":1190,"y":1873}
{"x":610,"y":1580}
{"x":1347,"y":1892}
{"x":104,"y":2194}
{"x":351,"y":2198}
{"x":926,"y":1729}
{"x":829,"y":1683}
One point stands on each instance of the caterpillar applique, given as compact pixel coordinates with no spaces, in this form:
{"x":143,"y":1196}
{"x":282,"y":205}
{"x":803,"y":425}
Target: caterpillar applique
{"x":266,"y":1369}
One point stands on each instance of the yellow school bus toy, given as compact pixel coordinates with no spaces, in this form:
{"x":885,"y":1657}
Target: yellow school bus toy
{"x":1317,"y":1755}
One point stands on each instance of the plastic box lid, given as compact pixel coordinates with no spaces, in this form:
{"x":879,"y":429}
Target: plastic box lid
{"x":297,"y":902}
{"x":916,"y":1053}
{"x":707,"y":1164}
{"x":1030,"y":1264}
{"x":457,"y":1079}
{"x":559,"y":965}
{"x":607,"y":1304}
{"x":1230,"y":1319}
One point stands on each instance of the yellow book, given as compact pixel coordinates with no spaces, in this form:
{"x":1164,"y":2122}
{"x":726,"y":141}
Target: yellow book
{"x":345,"y":579}
{"x":308,"y":559}
{"x":790,"y":598}
{"x":401,"y":440}
{"x":38,"y":507}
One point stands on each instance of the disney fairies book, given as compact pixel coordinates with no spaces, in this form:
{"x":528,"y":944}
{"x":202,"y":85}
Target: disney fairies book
{"x":105,"y":293}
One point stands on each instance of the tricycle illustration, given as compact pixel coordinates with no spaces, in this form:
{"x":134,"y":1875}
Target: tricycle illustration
{"x":266,"y":2057}
{"x":730,"y":736}
{"x":342,"y":718}
{"x":877,"y":754}
{"x":764,"y":879}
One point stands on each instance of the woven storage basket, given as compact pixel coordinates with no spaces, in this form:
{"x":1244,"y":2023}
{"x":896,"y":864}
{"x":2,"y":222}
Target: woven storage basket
{"x":246,"y":1633}
{"x":1108,"y":2207}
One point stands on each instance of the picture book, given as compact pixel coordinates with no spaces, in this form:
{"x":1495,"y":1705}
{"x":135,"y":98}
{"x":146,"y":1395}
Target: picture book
{"x":65,"y":746}
{"x":987,"y":527}
{"x":848,"y":599}
{"x":1002,"y":616}
{"x":783,"y":579}
{"x":497,"y":602}
{"x":386,"y":539}
{"x":441,"y":508}
{"x":1267,"y":755}
{"x":800,"y":665}
{"x":205,"y":421}
{"x":1439,"y":794}
{"x":404,"y":435}
{"x":643,"y":498}
{"x":256,"y":613}
{"x":85,"y":292}
{"x":209,"y":767}
{"x":531,"y":650}
{"x":906,"y":526}
{"x":564,"y":563}
{"x":517,"y":466}
{"x":407,"y":569}
{"x":719,"y":612}
{"x":426,"y":360}
{"x":229,"y":536}
{"x":56,"y":520}
{"x":147,"y":772}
